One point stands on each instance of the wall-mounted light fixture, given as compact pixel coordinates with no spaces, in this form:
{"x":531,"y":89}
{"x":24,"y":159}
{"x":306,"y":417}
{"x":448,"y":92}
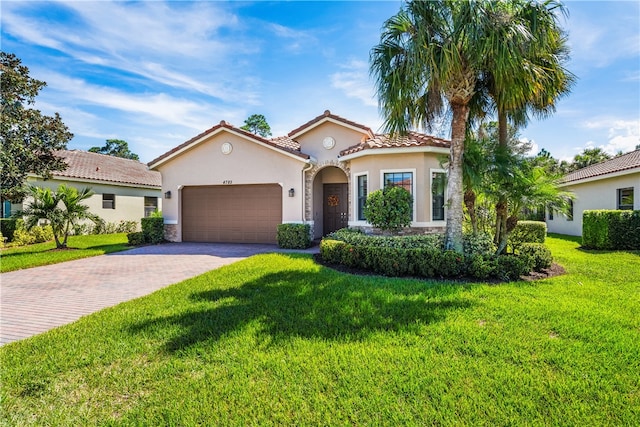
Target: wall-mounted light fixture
{"x":167,"y":195}
{"x":292,"y":192}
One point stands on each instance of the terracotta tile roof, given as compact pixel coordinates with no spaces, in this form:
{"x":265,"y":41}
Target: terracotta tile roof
{"x":100,"y":167}
{"x":325,"y":115}
{"x":280,"y":145}
{"x":286,"y":142}
{"x":618,"y":164}
{"x":412,"y":139}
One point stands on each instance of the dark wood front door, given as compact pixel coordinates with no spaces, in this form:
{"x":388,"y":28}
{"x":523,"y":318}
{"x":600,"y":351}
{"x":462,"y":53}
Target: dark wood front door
{"x":335,"y":212}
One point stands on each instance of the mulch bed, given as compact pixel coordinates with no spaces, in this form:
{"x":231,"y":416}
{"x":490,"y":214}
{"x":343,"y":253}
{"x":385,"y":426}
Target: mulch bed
{"x":553,"y":271}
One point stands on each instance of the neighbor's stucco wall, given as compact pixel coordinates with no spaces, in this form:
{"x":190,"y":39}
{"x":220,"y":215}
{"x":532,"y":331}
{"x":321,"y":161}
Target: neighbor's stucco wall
{"x":129,"y":200}
{"x":422,"y":164}
{"x":600,"y":194}
{"x":248,"y":163}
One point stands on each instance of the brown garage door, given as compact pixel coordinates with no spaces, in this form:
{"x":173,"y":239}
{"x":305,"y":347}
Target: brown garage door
{"x":231,"y":213}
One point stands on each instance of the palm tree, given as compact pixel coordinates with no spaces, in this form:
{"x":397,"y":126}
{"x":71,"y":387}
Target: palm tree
{"x":431,"y":52}
{"x":527,"y":33}
{"x":61,"y":209}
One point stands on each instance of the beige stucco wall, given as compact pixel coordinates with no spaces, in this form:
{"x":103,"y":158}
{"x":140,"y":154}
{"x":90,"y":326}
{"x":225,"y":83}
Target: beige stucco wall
{"x":129,"y":200}
{"x":248,"y":163}
{"x":421,"y":164}
{"x":599,"y":194}
{"x":311,"y":141}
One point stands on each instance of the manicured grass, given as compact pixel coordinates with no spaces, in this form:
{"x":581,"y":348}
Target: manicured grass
{"x":278,"y":340}
{"x":44,"y":253}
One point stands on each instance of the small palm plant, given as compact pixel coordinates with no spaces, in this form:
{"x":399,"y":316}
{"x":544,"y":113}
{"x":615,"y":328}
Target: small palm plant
{"x":61,"y":209}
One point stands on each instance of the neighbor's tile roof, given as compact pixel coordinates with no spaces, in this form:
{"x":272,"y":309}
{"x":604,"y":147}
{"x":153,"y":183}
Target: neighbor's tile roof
{"x":280,"y":145}
{"x":618,"y":164}
{"x":412,"y":139}
{"x":100,"y":167}
{"x":325,"y":115}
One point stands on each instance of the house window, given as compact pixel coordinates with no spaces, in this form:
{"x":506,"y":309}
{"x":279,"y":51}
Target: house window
{"x":550,"y":214}
{"x":150,"y":205}
{"x":399,"y":179}
{"x":625,"y":198}
{"x":438,"y":186}
{"x":570,"y":213}
{"x":362,"y":195}
{"x":108,"y":201}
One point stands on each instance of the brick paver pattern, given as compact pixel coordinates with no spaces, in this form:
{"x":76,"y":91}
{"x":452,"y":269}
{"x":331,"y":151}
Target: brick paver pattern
{"x":38,"y":299}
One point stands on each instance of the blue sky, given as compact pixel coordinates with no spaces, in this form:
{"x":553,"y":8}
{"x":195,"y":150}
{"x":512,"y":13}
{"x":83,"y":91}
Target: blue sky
{"x":158,"y":73}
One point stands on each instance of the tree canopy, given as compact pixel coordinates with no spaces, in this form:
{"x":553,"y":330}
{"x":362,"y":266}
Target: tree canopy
{"x":257,"y":123}
{"x":29,"y":138}
{"x":116,"y":148}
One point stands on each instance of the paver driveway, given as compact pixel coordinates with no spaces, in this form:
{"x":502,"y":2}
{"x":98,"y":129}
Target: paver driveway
{"x":38,"y":299}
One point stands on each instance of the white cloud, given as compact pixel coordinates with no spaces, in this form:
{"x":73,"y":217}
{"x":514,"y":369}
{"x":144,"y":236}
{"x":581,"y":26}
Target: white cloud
{"x":354,"y":81}
{"x":621,"y":135}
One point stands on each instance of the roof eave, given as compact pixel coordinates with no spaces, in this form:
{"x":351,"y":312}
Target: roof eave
{"x":205,"y":136}
{"x":394,"y":150}
{"x":601,"y":177}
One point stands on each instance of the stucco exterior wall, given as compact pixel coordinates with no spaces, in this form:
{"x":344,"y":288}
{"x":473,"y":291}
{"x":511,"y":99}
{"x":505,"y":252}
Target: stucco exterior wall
{"x":248,"y":163}
{"x":129,"y":205}
{"x":311,"y":141}
{"x":421,"y":164}
{"x":598,"y":194}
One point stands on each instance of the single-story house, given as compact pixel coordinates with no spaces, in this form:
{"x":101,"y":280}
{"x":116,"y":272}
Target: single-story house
{"x":612,"y":184}
{"x":230,"y":185}
{"x":125,"y":190}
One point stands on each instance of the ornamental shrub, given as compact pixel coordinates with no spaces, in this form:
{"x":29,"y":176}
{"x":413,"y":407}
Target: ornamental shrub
{"x":389,"y":209}
{"x":511,"y":267}
{"x":611,"y":229}
{"x":539,"y":253}
{"x":153,"y":229}
{"x":527,"y":232}
{"x":481,"y":267}
{"x":478,"y":244}
{"x":294,"y":236}
{"x":37,"y":234}
{"x":358,"y":238}
{"x":8,"y":227}
{"x":331,"y":251}
{"x":136,"y":238}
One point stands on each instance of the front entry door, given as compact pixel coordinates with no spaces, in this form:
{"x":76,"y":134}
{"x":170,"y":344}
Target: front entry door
{"x":335,"y":215}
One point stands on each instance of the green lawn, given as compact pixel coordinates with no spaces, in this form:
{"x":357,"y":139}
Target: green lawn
{"x":279,"y":340}
{"x":44,"y":253}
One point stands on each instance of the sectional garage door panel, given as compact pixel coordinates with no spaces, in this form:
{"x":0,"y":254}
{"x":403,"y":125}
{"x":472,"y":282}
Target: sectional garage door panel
{"x":231,"y":213}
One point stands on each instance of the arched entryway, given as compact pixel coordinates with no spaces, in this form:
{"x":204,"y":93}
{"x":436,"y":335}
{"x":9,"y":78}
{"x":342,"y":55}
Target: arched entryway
{"x":329,"y":199}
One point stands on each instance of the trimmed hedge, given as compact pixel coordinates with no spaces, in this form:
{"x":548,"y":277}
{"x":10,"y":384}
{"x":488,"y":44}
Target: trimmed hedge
{"x":153,"y":229}
{"x":527,"y":232}
{"x":8,"y":227}
{"x":429,"y":262}
{"x":294,"y":236}
{"x":539,"y":253}
{"x":611,"y":229}
{"x":136,"y":238}
{"x":356,"y":237}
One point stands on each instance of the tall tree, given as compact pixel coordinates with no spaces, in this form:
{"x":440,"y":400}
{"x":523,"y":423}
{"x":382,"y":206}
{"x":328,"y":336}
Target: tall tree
{"x":524,"y":72}
{"x":116,"y":148}
{"x":29,"y":138}
{"x":257,"y":123}
{"x":464,"y":54}
{"x":590,"y":156}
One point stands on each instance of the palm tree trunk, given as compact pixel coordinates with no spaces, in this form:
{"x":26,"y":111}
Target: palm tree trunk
{"x":501,"y":206}
{"x":470,"y":203}
{"x":455,"y":213}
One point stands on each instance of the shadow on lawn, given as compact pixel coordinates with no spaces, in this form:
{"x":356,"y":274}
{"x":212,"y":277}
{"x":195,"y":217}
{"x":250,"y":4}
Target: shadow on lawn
{"x":289,"y":305}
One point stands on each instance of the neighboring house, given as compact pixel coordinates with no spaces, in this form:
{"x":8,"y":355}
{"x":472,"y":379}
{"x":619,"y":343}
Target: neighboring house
{"x":229,"y":185}
{"x":612,"y":184}
{"x":125,"y":190}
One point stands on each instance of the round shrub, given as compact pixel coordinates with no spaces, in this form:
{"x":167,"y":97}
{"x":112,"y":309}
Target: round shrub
{"x":389,"y":209}
{"x":331,"y":250}
{"x":539,"y":253}
{"x":478,"y":244}
{"x":481,"y":267}
{"x":511,"y":267}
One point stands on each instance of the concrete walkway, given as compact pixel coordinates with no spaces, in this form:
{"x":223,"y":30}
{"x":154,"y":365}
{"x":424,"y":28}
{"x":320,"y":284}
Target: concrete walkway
{"x":38,"y":299}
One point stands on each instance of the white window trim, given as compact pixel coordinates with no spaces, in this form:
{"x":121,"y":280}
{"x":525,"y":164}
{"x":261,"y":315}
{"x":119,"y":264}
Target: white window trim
{"x":413,"y":185}
{"x":431,"y":172}
{"x":356,"y":195}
